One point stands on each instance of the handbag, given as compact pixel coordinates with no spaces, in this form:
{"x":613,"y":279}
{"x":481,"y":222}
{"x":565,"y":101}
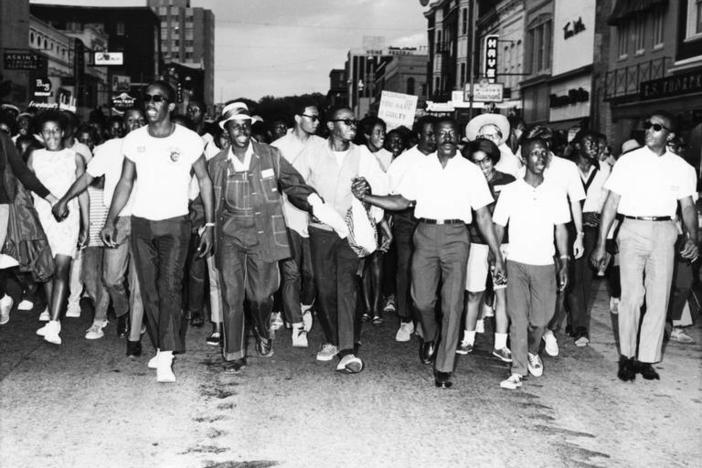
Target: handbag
{"x":363,"y":236}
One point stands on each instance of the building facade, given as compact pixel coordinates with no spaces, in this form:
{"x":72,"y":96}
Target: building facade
{"x":403,"y":73}
{"x":187,"y":38}
{"x":19,"y":64}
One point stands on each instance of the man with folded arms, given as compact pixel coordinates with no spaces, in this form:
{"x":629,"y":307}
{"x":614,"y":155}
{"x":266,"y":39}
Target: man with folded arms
{"x":443,"y":188}
{"x":646,"y":186}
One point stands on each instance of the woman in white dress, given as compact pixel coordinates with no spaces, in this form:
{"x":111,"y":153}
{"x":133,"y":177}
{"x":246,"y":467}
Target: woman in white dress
{"x":57,"y":168}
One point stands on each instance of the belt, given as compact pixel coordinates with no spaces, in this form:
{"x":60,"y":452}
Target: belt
{"x":441,"y":221}
{"x":649,"y":218}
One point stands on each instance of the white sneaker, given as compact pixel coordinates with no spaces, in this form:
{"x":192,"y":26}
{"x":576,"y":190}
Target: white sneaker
{"x":153,"y":362}
{"x":299,"y":336}
{"x":513,"y":382}
{"x":44,"y":316}
{"x":164,"y":368}
{"x":307,"y":318}
{"x":480,"y":326}
{"x":25,"y":305}
{"x":95,"y":331}
{"x":276,"y":320}
{"x":350,"y":364}
{"x":73,"y":311}
{"x":679,"y":335}
{"x":582,"y":342}
{"x":551,"y":343}
{"x":42,"y":331}
{"x":404,"y":332}
{"x":5,"y":307}
{"x":51,"y":332}
{"x":614,"y":305}
{"x":327,"y":352}
{"x":535,"y":366}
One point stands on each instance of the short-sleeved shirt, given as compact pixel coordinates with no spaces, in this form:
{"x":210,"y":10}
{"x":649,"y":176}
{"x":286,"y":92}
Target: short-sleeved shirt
{"x":401,"y":165}
{"x":498,"y":182}
{"x":384,"y":158}
{"x":532,"y":213}
{"x":564,"y":175}
{"x":650,"y":185}
{"x":445,"y":192}
{"x":163,"y":171}
{"x":107,"y":161}
{"x":595,"y":193}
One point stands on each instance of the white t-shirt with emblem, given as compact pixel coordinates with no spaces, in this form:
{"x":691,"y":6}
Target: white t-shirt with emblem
{"x":163,"y":171}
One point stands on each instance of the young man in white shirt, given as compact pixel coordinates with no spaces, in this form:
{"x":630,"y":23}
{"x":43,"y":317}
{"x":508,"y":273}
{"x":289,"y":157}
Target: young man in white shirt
{"x":404,"y":223}
{"x":533,"y":208}
{"x":443,"y":188}
{"x":646,"y":186}
{"x":159,"y":159}
{"x":298,"y":280}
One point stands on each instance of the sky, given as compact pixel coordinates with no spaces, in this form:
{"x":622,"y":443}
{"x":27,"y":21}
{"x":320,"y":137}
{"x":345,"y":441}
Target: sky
{"x":288,"y":47}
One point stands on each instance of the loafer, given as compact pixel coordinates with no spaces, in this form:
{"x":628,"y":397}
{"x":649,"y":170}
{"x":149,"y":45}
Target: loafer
{"x":197,"y":320}
{"x":133,"y":349}
{"x":626,"y":370}
{"x":646,"y":370}
{"x":464,"y":348}
{"x":235,"y":366}
{"x":503,"y":354}
{"x":214,"y":338}
{"x":427,"y":350}
{"x":377,"y":319}
{"x":442,"y":379}
{"x":264,"y":347}
{"x":366,"y":317}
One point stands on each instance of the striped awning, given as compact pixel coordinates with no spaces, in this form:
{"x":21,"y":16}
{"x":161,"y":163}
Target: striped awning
{"x":625,"y":9}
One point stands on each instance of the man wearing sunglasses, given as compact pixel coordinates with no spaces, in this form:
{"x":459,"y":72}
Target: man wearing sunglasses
{"x":298,"y":282}
{"x":331,"y":168}
{"x":646,"y":186}
{"x":158,"y":161}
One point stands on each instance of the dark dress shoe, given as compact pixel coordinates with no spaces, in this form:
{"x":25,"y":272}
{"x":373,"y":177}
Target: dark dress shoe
{"x":442,"y":379}
{"x":123,"y":325}
{"x":569,"y":330}
{"x":264,"y":347}
{"x":626,"y":369}
{"x":426,"y":352}
{"x":234,"y":366}
{"x":646,"y":370}
{"x":197,"y":320}
{"x":133,"y":349}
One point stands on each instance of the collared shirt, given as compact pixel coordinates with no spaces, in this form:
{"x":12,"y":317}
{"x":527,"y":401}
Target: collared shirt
{"x":509,"y":163}
{"x":445,"y":192}
{"x":163,"y":167}
{"x":650,"y":185}
{"x":384,"y":158}
{"x":532,"y":213}
{"x":401,"y":165}
{"x":291,"y":147}
{"x":238,"y":165}
{"x":563,"y":174}
{"x":107,"y":161}
{"x":595,"y":193}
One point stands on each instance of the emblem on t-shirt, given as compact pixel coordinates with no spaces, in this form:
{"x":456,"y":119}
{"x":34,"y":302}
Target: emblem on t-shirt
{"x":141,"y":149}
{"x":175,"y":154}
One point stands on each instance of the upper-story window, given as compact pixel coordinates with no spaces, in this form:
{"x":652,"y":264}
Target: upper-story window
{"x":464,"y":21}
{"x":539,"y":50}
{"x":657,"y":27}
{"x":693,"y":28}
{"x":638,"y":33}
{"x":438,"y":41}
{"x":119,"y":28}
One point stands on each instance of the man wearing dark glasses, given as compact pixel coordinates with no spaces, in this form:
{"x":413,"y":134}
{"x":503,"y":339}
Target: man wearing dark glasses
{"x":646,"y":186}
{"x":298,"y":282}
{"x":158,"y":163}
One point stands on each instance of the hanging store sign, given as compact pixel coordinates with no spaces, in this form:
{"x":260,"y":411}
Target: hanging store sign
{"x":485,"y":92}
{"x":108,"y":58}
{"x":490,"y":58}
{"x":42,"y":87}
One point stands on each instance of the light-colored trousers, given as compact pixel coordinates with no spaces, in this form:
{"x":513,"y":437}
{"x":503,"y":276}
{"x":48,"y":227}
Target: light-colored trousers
{"x":646,"y":260}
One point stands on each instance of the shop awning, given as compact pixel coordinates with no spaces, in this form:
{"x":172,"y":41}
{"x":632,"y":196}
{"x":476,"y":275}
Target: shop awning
{"x":625,"y":9}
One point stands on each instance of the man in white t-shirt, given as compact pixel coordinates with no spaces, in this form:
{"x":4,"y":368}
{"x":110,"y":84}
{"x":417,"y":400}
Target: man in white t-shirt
{"x":298,"y":281}
{"x":534,"y":209}
{"x":159,"y":160}
{"x":646,"y":186}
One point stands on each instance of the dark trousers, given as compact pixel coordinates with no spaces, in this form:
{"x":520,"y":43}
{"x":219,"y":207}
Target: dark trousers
{"x":335,"y":266}
{"x":160,"y":249}
{"x":298,"y":280}
{"x":581,"y":274}
{"x":403,"y":229}
{"x":681,"y":290}
{"x":440,"y":257}
{"x":245,"y":276}
{"x":197,"y":278}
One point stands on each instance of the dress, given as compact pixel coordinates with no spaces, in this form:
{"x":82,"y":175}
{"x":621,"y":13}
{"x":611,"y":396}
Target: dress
{"x":57,"y":171}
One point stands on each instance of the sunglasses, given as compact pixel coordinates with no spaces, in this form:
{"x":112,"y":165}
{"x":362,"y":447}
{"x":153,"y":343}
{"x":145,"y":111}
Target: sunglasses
{"x":313,"y":118}
{"x":154,"y":98}
{"x":349,"y":122}
{"x":656,"y":126}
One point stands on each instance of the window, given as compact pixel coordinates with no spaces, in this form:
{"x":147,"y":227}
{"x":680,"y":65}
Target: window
{"x":638,"y":34}
{"x":539,"y":45}
{"x":120,"y":28}
{"x":698,"y":17}
{"x":188,"y":56}
{"x":657,"y":28}
{"x":31,"y":38}
{"x":176,"y":43}
{"x":463,"y":74}
{"x":438,"y":41}
{"x":622,"y":39}
{"x":437,"y":84}
{"x":464,"y":21}
{"x":693,"y":30}
{"x":410,"y":85}
{"x":188,"y":43}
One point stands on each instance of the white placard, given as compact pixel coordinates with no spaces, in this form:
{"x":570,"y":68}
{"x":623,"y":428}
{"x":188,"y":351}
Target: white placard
{"x":397,"y":109}
{"x":109,"y":58}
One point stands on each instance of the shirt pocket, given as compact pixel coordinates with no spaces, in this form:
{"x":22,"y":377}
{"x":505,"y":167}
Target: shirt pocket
{"x":270,"y":189}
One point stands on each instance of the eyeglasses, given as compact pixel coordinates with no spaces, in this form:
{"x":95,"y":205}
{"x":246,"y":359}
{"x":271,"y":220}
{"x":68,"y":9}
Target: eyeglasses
{"x":154,"y":98}
{"x":349,"y":122}
{"x":313,"y":118}
{"x":656,"y":126}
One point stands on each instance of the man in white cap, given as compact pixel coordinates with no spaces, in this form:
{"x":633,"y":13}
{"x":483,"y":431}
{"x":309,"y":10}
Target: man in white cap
{"x":496,"y":128}
{"x":251,"y":236}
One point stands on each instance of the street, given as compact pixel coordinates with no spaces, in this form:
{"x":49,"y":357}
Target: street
{"x":85,"y":404}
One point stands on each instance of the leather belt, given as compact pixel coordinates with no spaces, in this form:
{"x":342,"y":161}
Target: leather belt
{"x":441,"y":221}
{"x":649,"y":218}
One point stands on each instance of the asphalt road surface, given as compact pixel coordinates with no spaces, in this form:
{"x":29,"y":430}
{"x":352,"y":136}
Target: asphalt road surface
{"x":84,"y":404}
